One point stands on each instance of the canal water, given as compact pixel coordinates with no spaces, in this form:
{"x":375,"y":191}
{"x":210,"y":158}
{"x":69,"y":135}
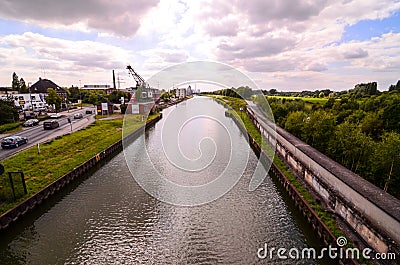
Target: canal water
{"x":109,"y":219}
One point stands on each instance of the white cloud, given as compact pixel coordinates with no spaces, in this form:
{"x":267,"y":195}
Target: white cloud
{"x":120,"y":17}
{"x":31,"y":51}
{"x":288,"y":44}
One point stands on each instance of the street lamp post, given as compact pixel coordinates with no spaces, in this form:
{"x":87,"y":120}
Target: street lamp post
{"x":30,"y":94}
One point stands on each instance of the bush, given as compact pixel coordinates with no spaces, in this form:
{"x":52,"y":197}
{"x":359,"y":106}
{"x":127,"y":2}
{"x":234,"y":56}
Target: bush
{"x":10,"y":127}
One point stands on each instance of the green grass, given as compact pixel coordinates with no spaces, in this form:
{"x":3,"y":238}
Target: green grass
{"x":306,"y":99}
{"x":61,"y":156}
{"x":11,"y":127}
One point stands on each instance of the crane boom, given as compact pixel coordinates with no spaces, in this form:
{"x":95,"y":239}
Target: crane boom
{"x":140,"y":82}
{"x":143,"y":91}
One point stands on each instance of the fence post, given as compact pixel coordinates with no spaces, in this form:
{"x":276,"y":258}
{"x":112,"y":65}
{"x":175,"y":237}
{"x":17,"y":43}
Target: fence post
{"x":12,"y":184}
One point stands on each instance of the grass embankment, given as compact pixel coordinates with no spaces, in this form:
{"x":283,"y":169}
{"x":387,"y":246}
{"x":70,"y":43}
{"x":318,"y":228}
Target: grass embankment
{"x":61,"y":156}
{"x":236,"y":104}
{"x":17,"y":126}
{"x":11,"y":127}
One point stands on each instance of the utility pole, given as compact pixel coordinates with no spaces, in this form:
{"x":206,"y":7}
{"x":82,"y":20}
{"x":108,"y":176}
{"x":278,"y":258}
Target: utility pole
{"x":119,"y":81}
{"x":69,"y":121}
{"x":115,"y":87}
{"x":30,"y":94}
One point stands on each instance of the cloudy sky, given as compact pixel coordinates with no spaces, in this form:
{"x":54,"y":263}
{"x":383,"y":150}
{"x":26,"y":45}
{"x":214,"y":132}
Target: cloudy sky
{"x":308,"y":45}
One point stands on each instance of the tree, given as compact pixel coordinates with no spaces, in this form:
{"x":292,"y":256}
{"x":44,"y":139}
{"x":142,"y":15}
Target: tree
{"x":386,"y":163}
{"x":8,"y":112}
{"x":280,"y":112}
{"x":165,"y":96}
{"x":395,"y":87}
{"x":371,"y":125}
{"x":73,"y":93}
{"x":123,"y":108}
{"x":350,"y":147}
{"x":295,"y":123}
{"x":318,"y":129}
{"x":356,"y":116}
{"x":244,"y":92}
{"x":115,"y":96}
{"x":391,"y":115}
{"x":295,"y":105}
{"x":93,"y":99}
{"x":273,"y":91}
{"x":53,"y":99}
{"x":365,"y":89}
{"x":329,"y":104}
{"x":22,"y":86}
{"x":15,"y":82}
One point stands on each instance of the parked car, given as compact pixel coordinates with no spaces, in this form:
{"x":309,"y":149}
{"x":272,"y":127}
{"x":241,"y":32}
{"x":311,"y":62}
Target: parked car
{"x":78,"y":115}
{"x":13,"y":141}
{"x":31,"y":123}
{"x":88,"y":111}
{"x":55,"y":116}
{"x":48,"y":125}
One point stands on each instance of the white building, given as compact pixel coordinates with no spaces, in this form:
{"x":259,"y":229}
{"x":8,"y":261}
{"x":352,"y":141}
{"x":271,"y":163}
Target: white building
{"x":35,"y":102}
{"x":181,"y":92}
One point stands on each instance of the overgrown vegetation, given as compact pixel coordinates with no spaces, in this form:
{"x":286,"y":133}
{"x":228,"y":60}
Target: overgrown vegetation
{"x":10,"y":127}
{"x":363,"y":134}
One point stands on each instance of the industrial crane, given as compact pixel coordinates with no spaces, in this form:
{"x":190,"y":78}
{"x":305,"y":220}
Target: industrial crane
{"x":143,"y":90}
{"x":140,"y":83}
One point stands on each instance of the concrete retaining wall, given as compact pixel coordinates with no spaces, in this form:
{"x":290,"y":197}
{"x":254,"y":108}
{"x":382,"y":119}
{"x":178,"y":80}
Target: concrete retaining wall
{"x":309,"y":214}
{"x":340,"y":189}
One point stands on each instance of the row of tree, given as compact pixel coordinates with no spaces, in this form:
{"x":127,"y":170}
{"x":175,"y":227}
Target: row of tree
{"x":363,"y":135}
{"x":94,"y":96}
{"x":87,"y":96}
{"x":359,"y":90}
{"x":240,"y":92}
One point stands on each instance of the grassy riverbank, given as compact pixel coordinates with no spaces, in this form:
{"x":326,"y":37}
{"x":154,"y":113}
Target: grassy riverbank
{"x":60,"y":156}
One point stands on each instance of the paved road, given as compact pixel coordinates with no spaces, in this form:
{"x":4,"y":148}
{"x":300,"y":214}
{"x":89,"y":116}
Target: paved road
{"x":37,"y":134}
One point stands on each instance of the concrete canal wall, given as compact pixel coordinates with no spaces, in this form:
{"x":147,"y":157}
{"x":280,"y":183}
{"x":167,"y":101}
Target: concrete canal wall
{"x":372,"y":213}
{"x":29,"y":204}
{"x":309,"y":214}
